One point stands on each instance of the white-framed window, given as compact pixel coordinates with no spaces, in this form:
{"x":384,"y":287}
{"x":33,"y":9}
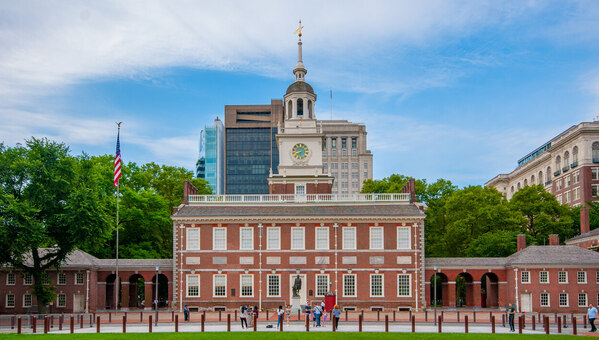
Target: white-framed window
{"x":582,"y":300}
{"x":246,"y":238}
{"x":219,"y":238}
{"x":273,"y":238}
{"x":298,"y":238}
{"x":300,"y":189}
{"x":525,"y":276}
{"x":27,"y":301}
{"x":62,"y":278}
{"x":567,"y":197}
{"x":28,"y":279}
{"x":562,"y":277}
{"x":274,"y":285}
{"x":575,"y":177}
{"x":597,"y":277}
{"x":403,"y":238}
{"x":322,"y":284}
{"x":563,"y":300}
{"x":192,"y":238}
{"x":376,"y":237}
{"x":595,"y":173}
{"x":543,"y":277}
{"x":193,"y":285}
{"x":10,"y":300}
{"x":595,"y":190}
{"x":576,"y":194}
{"x":404,"y":285}
{"x":376,"y":285}
{"x":349,"y":238}
{"x":79,"y":278}
{"x":246,"y":282}
{"x":10,"y":279}
{"x":558,"y":198}
{"x":61,"y":300}
{"x":322,"y":238}
{"x":545,"y":300}
{"x":349,"y":285}
{"x":219,"y":284}
{"x":581,"y":277}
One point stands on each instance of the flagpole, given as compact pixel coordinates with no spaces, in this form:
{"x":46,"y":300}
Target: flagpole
{"x":331,"y":104}
{"x":117,"y":281}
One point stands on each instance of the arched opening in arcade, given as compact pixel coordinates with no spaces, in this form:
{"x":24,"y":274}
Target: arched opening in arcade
{"x":110,"y":291}
{"x":464,"y":292}
{"x":489,"y":290}
{"x":137,"y":292}
{"x":162,"y":290}
{"x":442,"y":290}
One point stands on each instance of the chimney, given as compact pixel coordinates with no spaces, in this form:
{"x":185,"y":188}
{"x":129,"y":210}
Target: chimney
{"x":554,"y":240}
{"x":521,"y":241}
{"x":584,"y":221}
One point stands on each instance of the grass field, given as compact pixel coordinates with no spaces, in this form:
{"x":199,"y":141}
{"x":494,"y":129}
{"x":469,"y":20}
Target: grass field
{"x":290,"y":335}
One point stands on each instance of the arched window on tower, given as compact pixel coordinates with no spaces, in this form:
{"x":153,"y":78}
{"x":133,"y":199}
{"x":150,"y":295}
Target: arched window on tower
{"x":289,"y":109}
{"x":575,"y":156}
{"x":310,"y":108}
{"x":300,"y":107}
{"x":595,"y":148}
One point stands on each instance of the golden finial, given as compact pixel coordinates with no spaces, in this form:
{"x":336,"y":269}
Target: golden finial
{"x":119,"y":124}
{"x":298,"y":31}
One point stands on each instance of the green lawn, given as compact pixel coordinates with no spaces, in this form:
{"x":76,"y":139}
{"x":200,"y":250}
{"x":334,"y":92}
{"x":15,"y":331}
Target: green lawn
{"x":270,"y":335}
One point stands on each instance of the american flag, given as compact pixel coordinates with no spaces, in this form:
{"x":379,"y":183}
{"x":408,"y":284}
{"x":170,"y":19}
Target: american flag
{"x":117,"y":160}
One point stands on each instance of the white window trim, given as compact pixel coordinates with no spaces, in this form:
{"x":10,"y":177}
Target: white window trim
{"x":548,"y":299}
{"x":371,"y":229}
{"x":548,"y":280}
{"x":345,"y":246}
{"x":14,"y":300}
{"x":302,"y":186}
{"x":30,"y":299}
{"x":58,"y":279}
{"x":303,"y":231}
{"x":241,"y":285}
{"x":14,"y":279}
{"x":382,"y":286}
{"x":316,"y":238}
{"x":316,"y":284}
{"x":268,"y":231}
{"x":268,"y":285}
{"x":58,"y":299}
{"x":82,"y":279}
{"x":522,"y":277}
{"x":31,"y":279}
{"x":409,"y":285}
{"x":241,"y":230}
{"x":558,"y":281}
{"x":214,"y":286}
{"x":585,"y":278}
{"x":586,"y":299}
{"x":409,"y":229}
{"x":187,"y":285}
{"x":187,"y":238}
{"x":559,"y":302}
{"x":214,"y":238}
{"x":355,"y":285}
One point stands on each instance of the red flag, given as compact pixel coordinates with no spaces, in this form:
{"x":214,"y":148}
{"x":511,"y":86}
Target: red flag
{"x":117,"y":160}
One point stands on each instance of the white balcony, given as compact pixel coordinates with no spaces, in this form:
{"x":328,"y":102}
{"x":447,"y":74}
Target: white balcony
{"x":312,"y":198}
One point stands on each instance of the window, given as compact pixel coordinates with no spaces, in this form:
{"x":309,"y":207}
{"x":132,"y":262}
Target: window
{"x":403,"y":238}
{"x":193,"y":285}
{"x":376,"y":237}
{"x":10,"y":300}
{"x":300,"y":189}
{"x":525,"y":276}
{"x":582,"y":299}
{"x":78,"y":278}
{"x":566,"y":197}
{"x":404,"y":286}
{"x":563,"y":299}
{"x":324,"y":152}
{"x":322,"y":238}
{"x":322,"y":284}
{"x":343,"y":142}
{"x":10,"y":279}
{"x":355,"y":185}
{"x":324,"y":165}
{"x":273,"y":238}
{"x":344,"y":152}
{"x":558,"y":184}
{"x":298,"y":238}
{"x":576,"y":194}
{"x":219,"y":238}
{"x":376,"y":285}
{"x":597,"y":277}
{"x":334,"y":166}
{"x":545,"y":300}
{"x":595,"y":190}
{"x":27,"y":302}
{"x":274,"y":289}
{"x":354,"y":152}
{"x":581,"y":277}
{"x":558,"y":198}
{"x":27,"y":279}
{"x":62,"y":278}
{"x":344,"y":174}
{"x":45,"y":279}
{"x":562,"y":277}
{"x":355,"y":175}
{"x":219,"y":285}
{"x":333,"y":142}
{"x":349,"y":240}
{"x":595,"y":173}
{"x":61,"y":300}
{"x":575,"y":177}
{"x":354,"y":142}
{"x":349,"y":285}
{"x":365,"y":174}
{"x":193,"y":238}
{"x":344,"y":165}
{"x":334,"y":153}
{"x":544,"y":277}
{"x":568,"y":181}
{"x":246,"y":238}
{"x":247,"y":285}
{"x":354,"y":166}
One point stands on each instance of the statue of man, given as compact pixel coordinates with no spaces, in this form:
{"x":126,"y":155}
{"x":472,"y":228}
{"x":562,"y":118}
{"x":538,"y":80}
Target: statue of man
{"x":297,"y":285}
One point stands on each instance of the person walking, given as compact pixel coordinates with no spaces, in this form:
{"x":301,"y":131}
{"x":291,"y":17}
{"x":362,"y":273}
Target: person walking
{"x":288,"y":314}
{"x":336,"y":314}
{"x":592,"y":314}
{"x":317,"y":314}
{"x":308,"y":311}
{"x":186,"y":313}
{"x":511,"y":313}
{"x":243,"y":317}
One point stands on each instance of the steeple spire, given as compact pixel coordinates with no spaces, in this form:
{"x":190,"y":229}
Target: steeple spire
{"x":299,"y":71}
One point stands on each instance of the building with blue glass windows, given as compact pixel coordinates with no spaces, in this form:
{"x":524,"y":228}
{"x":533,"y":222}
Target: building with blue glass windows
{"x":211,"y":161}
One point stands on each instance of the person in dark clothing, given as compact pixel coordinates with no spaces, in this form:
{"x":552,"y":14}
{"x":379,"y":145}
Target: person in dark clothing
{"x":511,"y":313}
{"x":186,"y":313}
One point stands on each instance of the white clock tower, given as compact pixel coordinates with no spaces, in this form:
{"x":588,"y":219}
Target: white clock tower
{"x":300,"y":141}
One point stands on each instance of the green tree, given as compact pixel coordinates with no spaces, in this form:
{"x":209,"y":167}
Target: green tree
{"x":50,"y":203}
{"x":498,"y":243}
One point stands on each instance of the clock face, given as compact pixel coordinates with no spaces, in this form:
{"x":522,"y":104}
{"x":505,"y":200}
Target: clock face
{"x":300,"y":151}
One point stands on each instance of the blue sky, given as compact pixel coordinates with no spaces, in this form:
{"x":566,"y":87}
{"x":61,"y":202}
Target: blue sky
{"x":448,"y":89}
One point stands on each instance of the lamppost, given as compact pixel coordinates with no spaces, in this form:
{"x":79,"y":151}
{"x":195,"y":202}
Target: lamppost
{"x":156,"y":299}
{"x":435,"y":294}
{"x":335,"y":227}
{"x":260,"y":227}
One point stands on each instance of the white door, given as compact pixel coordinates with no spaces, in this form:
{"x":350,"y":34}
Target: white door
{"x":526,"y":303}
{"x":78,"y":303}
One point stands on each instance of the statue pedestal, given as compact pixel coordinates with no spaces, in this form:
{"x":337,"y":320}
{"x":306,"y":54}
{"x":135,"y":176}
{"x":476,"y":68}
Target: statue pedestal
{"x":296,"y":304}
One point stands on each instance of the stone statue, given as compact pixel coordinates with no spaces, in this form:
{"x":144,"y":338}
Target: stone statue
{"x":297,"y":285}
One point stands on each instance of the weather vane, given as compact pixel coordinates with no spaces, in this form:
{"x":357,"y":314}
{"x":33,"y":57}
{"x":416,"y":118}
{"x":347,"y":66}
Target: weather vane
{"x":298,"y":31}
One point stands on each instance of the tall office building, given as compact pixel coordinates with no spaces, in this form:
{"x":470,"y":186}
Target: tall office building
{"x":210,"y":165}
{"x":201,"y":163}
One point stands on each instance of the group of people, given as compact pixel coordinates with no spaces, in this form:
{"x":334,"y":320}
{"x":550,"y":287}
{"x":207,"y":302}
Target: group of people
{"x":248,"y":313}
{"x":591,"y":314}
{"x":320,"y":314}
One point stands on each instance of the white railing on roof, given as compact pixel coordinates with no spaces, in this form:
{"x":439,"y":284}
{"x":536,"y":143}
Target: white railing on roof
{"x":310,"y":198}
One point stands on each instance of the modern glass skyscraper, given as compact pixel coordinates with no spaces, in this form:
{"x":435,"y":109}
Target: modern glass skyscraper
{"x":214,"y":156}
